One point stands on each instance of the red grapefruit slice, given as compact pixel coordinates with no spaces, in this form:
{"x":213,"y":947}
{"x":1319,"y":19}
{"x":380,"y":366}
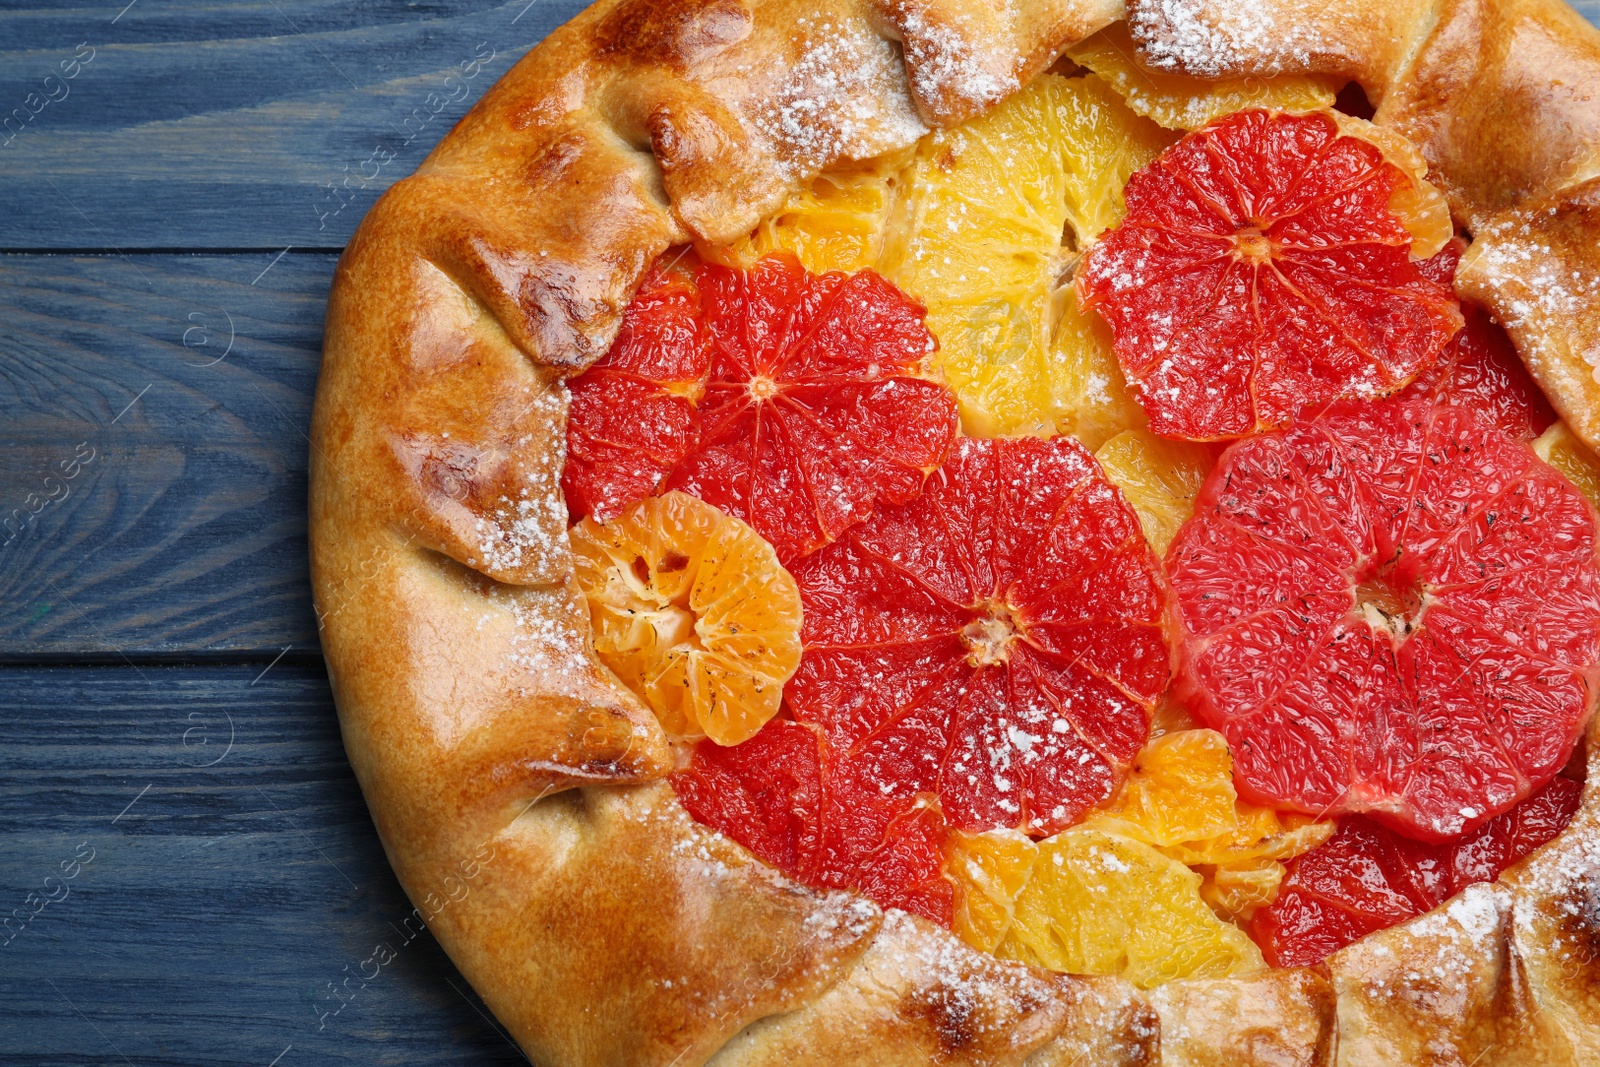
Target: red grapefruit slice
{"x":1367,"y":878}
{"x":1259,"y":269}
{"x":1480,"y":369}
{"x":787,"y":399}
{"x":782,"y":797}
{"x":632,"y":417}
{"x":996,"y":642}
{"x":1392,"y":609}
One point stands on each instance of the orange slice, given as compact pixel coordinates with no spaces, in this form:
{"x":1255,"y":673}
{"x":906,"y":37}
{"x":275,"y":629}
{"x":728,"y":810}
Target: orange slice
{"x":1560,"y":448}
{"x":1098,"y":903}
{"x":693,"y":612}
{"x":1183,"y":103}
{"x":1160,"y":478}
{"x":978,"y":238}
{"x":989,"y":871}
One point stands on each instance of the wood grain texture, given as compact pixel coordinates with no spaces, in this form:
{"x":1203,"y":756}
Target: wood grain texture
{"x":182,"y":529}
{"x":218,"y":907}
{"x":193,"y":124}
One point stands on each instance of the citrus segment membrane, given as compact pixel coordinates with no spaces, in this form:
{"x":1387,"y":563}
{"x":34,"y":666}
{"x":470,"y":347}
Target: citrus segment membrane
{"x":691,"y":610}
{"x":1480,"y":369}
{"x":1160,"y":478}
{"x":1260,"y":269}
{"x":1182,"y":103}
{"x":1368,"y":878}
{"x":1101,"y":904}
{"x":1392,"y":609}
{"x":978,"y":237}
{"x":781,"y":796}
{"x":806,"y":413}
{"x":996,"y":642}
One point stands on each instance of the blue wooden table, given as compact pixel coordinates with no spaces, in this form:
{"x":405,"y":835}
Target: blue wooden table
{"x":189,"y":870}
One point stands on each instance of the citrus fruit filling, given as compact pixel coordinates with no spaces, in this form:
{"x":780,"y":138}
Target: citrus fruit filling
{"x":938,"y":670}
{"x":1369,"y":878}
{"x":691,"y":609}
{"x":807,"y":410}
{"x":1391,"y":609}
{"x":996,"y":642}
{"x":1259,"y":269}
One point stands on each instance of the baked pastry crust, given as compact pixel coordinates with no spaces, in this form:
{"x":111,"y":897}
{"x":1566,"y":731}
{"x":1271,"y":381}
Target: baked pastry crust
{"x":518,"y":789}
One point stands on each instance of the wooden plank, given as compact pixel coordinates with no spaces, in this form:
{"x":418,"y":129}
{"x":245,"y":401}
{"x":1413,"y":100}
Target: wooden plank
{"x":193,"y":124}
{"x":218,"y":889}
{"x":155,"y":412}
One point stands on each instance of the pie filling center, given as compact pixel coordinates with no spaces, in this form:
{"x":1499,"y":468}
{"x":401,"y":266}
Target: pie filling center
{"x":1208,"y":748}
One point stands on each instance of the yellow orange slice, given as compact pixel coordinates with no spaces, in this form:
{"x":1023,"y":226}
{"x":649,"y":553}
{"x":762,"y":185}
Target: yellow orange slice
{"x":1159,"y":477}
{"x":988,"y":870}
{"x":1183,"y":103}
{"x":1560,"y":448}
{"x":1179,"y":797}
{"x":1098,"y":903}
{"x":837,"y":222}
{"x":978,"y":238}
{"x":692,"y":611}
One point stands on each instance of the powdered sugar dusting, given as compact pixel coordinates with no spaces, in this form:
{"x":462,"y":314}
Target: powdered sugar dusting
{"x":1213,"y":38}
{"x":944,"y":63}
{"x":844,"y":97}
{"x":1542,"y":299}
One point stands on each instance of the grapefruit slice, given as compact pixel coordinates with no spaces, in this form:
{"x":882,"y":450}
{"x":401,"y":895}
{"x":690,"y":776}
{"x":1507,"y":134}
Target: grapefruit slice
{"x":1393,"y":609}
{"x":807,"y":411}
{"x":1260,"y":268}
{"x":996,"y":642}
{"x":691,"y":609}
{"x":632,"y":416}
{"x":1102,"y":904}
{"x":1480,"y":369}
{"x":782,"y":797}
{"x":1368,"y":878}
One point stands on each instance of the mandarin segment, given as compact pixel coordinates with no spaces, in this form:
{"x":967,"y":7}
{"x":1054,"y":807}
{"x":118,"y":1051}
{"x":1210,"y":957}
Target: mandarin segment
{"x":1392,"y":609}
{"x":1260,"y":269}
{"x":978,"y":238}
{"x":692,"y":611}
{"x":1159,"y":477}
{"x":1102,"y":904}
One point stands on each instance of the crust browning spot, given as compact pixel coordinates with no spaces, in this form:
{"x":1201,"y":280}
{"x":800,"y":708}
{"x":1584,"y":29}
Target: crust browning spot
{"x":673,"y":33}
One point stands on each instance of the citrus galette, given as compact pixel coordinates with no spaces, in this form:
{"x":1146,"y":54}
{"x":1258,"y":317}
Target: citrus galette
{"x":1081,"y":547}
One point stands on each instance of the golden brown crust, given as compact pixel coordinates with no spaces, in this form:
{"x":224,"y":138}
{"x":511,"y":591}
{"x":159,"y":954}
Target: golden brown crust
{"x":517,"y":787}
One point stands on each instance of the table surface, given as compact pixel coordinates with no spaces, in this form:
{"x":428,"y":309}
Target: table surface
{"x":201,"y":881}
